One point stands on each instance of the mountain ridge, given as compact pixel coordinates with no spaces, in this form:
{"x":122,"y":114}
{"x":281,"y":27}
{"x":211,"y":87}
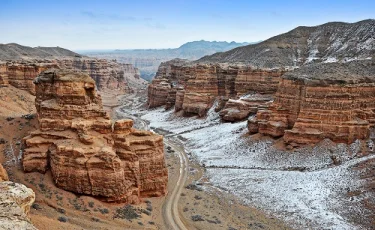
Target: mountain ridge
{"x":14,"y":51}
{"x":328,"y":42}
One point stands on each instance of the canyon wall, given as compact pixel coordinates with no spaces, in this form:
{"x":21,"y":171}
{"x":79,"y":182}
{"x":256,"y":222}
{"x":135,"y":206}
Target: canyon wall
{"x":85,"y":152}
{"x":332,"y":100}
{"x":195,"y":87}
{"x":107,"y":75}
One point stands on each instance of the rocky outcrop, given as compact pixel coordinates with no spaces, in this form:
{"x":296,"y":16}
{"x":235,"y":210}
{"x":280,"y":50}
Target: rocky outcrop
{"x":241,"y":109}
{"x":108,"y":75}
{"x":15,"y":202}
{"x":3,"y":174}
{"x":321,"y":101}
{"x":196,"y":86}
{"x":85,"y":152}
{"x":201,"y":91}
{"x":22,"y":74}
{"x":158,"y":92}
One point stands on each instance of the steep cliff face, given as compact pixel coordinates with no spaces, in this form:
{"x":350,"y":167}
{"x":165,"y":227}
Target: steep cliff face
{"x":197,"y":86}
{"x":107,"y":75}
{"x":84,"y":151}
{"x":21,"y":74}
{"x":237,"y":110}
{"x":158,"y":92}
{"x":320,"y":101}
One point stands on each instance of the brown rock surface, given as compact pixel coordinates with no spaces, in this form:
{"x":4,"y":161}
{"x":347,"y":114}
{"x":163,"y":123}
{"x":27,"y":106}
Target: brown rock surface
{"x":85,"y":152}
{"x":322,"y":101}
{"x":241,"y":109}
{"x":108,"y":75}
{"x":158,"y":92}
{"x":21,"y":74}
{"x":3,"y":174}
{"x":200,"y":84}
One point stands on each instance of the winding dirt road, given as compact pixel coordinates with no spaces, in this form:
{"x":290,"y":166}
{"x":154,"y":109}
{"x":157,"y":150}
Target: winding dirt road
{"x":170,"y":211}
{"x":170,"y":208}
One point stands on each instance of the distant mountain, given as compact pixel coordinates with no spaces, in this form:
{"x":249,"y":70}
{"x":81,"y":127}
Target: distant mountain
{"x":330,"y":42}
{"x":13,"y":51}
{"x":148,"y":60}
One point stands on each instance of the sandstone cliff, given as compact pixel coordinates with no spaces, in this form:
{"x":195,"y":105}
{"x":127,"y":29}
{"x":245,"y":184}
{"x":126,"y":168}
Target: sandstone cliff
{"x":85,"y":152}
{"x":320,"y":101}
{"x":19,"y":65}
{"x":108,"y":75}
{"x":193,"y":88}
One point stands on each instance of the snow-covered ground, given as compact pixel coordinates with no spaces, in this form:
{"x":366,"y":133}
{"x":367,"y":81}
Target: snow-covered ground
{"x":301,"y":187}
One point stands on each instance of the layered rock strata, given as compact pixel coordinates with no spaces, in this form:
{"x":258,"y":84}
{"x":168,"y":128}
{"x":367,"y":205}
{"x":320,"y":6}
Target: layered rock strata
{"x":85,"y":152}
{"x":199,"y":85}
{"x":334,"y":101}
{"x":22,"y":74}
{"x":241,"y":109}
{"x":108,"y":75}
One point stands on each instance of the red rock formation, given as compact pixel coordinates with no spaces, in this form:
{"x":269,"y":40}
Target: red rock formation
{"x":257,"y":80}
{"x":158,"y":92}
{"x":203,"y":83}
{"x":171,"y":98}
{"x":237,"y":110}
{"x":179,"y":99}
{"x":85,"y":152}
{"x":21,"y":74}
{"x":201,"y":91}
{"x":332,"y":101}
{"x":108,"y":75}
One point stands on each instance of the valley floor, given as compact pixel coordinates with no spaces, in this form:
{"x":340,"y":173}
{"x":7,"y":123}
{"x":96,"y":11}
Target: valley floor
{"x":326,"y":186}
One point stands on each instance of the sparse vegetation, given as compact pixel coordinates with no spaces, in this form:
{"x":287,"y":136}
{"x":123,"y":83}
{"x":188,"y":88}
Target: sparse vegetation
{"x":197,"y":218}
{"x":127,"y":212}
{"x":62,"y":219}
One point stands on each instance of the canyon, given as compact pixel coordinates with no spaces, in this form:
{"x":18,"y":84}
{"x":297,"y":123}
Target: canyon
{"x":195,"y":87}
{"x":286,"y":125}
{"x":86,"y":153}
{"x":321,"y":101}
{"x":20,"y":65}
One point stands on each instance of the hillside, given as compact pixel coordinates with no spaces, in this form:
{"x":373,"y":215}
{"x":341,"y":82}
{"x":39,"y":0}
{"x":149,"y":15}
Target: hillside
{"x":330,"y":42}
{"x":148,"y":60}
{"x":13,"y":51}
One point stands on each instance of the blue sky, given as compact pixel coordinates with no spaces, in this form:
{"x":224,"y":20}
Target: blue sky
{"x":108,"y":24}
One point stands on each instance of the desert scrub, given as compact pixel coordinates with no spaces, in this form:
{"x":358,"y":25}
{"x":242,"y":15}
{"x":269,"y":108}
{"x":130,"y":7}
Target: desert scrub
{"x":127,"y":212}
